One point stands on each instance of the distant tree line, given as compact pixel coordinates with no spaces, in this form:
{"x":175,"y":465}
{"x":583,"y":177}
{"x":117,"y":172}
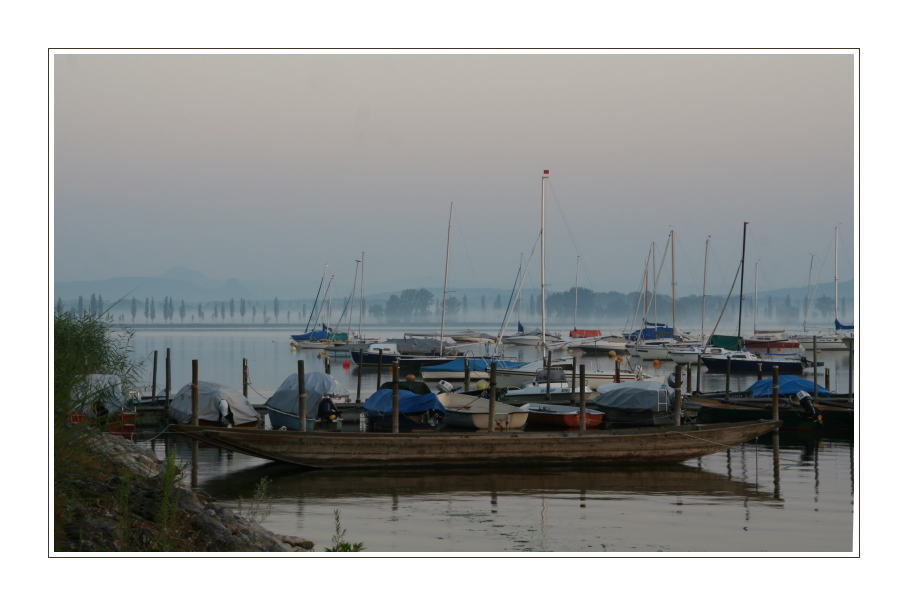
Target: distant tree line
{"x":420,"y":305}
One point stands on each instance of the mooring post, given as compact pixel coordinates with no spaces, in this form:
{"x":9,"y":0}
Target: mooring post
{"x":816,"y":387}
{"x":583,"y":397}
{"x":677,"y":395}
{"x":548,"y":375}
{"x":154,"y":380}
{"x":359,"y":378}
{"x":688,"y":374}
{"x":378,"y":377}
{"x":466,"y":374}
{"x":827,"y":380}
{"x":167,"y":383}
{"x":775,"y":393}
{"x":699,"y":370}
{"x":728,"y":376}
{"x":617,"y":370}
{"x":493,"y":385}
{"x":573,"y":378}
{"x":195,"y":392}
{"x":759,"y":371}
{"x":327,"y":363}
{"x":246,"y":377}
{"x":850,"y":343}
{"x":395,"y":399}
{"x":301,"y":390}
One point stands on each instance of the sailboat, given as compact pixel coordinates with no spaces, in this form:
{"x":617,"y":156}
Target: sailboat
{"x":515,"y":377}
{"x":829,"y":341}
{"x":316,"y":339}
{"x":357,"y":341}
{"x":746,"y":361}
{"x":651,"y":349}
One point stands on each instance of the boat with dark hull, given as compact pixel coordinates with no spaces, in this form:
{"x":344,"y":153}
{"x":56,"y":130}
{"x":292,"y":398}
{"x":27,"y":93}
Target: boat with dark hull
{"x":439,"y":449}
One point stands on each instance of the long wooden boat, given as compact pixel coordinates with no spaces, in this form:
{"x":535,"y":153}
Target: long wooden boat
{"x":438,"y":449}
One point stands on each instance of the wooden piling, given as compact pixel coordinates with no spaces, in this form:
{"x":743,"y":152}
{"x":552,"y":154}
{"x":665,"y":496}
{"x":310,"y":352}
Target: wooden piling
{"x":759,"y":371}
{"x":677,"y":395}
{"x":395,"y":399}
{"x":466,"y":374}
{"x":728,"y":376}
{"x":617,"y":371}
{"x":775,"y":393}
{"x":378,"y":378}
{"x":195,"y":392}
{"x":816,"y":386}
{"x":246,"y":377}
{"x":827,"y":380}
{"x":548,"y":375}
{"x":154,"y":379}
{"x":493,"y":385}
{"x":699,"y":370}
{"x":359,"y":378}
{"x":583,"y":397}
{"x":167,"y":383}
{"x":301,"y":390}
{"x":687,"y":367}
{"x":327,"y":364}
{"x":573,"y":379}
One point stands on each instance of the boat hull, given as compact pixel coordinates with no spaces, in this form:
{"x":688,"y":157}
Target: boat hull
{"x":438,"y":449}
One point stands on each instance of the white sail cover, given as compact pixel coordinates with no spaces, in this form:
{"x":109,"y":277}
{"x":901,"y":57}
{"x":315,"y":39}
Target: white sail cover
{"x":106,"y":389}
{"x":210,"y":395}
{"x":316,"y":384}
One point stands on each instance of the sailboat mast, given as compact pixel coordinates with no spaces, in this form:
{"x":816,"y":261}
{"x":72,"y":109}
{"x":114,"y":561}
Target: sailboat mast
{"x":703,"y":304}
{"x":741,"y":296}
{"x":836,"y":287}
{"x":444,"y":294}
{"x":361,"y":301}
{"x":352,"y":297}
{"x":756,"y":277}
{"x":674,"y":319}
{"x":576,"y":276}
{"x":545,"y":175}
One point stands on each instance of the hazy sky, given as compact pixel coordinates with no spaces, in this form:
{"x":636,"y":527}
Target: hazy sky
{"x":269,"y":166}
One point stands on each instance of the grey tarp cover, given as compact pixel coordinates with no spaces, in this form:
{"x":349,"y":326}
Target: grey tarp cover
{"x":652,"y":385}
{"x":635,"y":399}
{"x":210,"y":394}
{"x":317,"y":385}
{"x":104,"y":388}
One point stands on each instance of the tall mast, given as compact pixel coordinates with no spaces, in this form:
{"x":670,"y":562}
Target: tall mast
{"x":361,"y":301}
{"x":444,"y":295}
{"x":703,"y":305}
{"x":836,"y":292}
{"x":545,"y":175}
{"x":741,"y":296}
{"x":352,"y":297}
{"x":576,"y":275}
{"x":674,"y":319}
{"x":756,"y":277}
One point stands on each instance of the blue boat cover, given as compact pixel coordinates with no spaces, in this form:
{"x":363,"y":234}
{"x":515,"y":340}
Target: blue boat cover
{"x":840,"y":326}
{"x":788,"y":385}
{"x":659,"y":331}
{"x":477,"y":364}
{"x":315,"y":335}
{"x":381,"y":402}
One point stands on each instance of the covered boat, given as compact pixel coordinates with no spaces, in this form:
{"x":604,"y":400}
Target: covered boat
{"x":218,"y":405}
{"x":100,"y":396}
{"x":415,"y":411}
{"x":284,"y":407}
{"x":455,"y":369}
{"x":636,"y":407}
{"x":788,"y":385}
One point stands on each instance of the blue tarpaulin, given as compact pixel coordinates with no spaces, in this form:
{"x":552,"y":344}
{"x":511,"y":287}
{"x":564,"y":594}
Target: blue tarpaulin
{"x":840,"y":326}
{"x":381,"y":402}
{"x":788,"y":385}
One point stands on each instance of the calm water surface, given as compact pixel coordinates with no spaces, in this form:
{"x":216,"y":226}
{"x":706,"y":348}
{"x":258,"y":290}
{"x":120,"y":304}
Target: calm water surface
{"x":798,"y":498}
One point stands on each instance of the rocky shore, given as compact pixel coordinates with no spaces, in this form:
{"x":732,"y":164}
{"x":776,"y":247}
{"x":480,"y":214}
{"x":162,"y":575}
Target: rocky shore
{"x":126,"y":504}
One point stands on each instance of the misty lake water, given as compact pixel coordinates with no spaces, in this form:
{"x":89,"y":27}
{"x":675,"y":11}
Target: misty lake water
{"x":743,"y":500}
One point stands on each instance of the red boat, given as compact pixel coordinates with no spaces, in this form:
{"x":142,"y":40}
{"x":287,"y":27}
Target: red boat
{"x":553,"y":415}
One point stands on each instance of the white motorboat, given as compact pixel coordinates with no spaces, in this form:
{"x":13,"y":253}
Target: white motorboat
{"x":472,"y":412}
